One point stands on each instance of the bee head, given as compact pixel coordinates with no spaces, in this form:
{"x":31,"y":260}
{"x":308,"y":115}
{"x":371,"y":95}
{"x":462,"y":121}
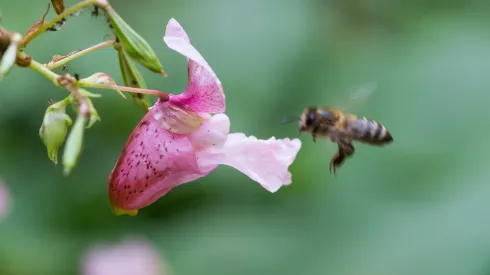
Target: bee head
{"x":307,"y":121}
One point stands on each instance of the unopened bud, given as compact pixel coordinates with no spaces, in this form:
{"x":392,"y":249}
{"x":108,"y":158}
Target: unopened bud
{"x":136,"y":47}
{"x":73,"y":146}
{"x":92,"y":112}
{"x":132,"y":78}
{"x":93,"y":115}
{"x":54,"y":128}
{"x":10,"y":55}
{"x":100,"y":78}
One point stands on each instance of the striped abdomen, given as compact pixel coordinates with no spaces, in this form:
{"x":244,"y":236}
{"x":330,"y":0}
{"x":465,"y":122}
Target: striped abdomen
{"x":368,"y":131}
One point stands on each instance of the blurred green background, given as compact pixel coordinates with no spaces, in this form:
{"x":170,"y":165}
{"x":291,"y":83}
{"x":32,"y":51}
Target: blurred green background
{"x":418,"y":206}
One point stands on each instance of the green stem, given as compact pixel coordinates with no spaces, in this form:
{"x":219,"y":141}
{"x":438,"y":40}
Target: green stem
{"x":157,"y":93}
{"x":74,"y":56}
{"x":62,"y":15}
{"x":38,"y":67}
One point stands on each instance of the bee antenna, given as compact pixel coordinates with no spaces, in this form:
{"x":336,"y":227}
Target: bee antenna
{"x":289,"y":119}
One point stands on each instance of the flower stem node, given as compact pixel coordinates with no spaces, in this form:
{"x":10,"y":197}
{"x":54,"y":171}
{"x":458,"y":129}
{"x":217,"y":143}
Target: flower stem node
{"x":136,"y":47}
{"x":54,"y":128}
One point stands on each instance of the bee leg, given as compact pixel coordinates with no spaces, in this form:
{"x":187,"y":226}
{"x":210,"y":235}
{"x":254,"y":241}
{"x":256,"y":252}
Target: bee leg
{"x":346,"y":149}
{"x":313,"y":133}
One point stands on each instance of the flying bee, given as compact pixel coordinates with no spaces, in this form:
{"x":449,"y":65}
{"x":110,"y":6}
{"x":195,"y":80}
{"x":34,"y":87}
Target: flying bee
{"x":342,"y":128}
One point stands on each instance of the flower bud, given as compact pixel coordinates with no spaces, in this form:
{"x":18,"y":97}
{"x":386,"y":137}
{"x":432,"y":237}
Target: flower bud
{"x":93,"y":115}
{"x":7,"y":59}
{"x":99,"y":78}
{"x":136,"y":47}
{"x":132,"y":78}
{"x":73,"y":145}
{"x":54,"y":128}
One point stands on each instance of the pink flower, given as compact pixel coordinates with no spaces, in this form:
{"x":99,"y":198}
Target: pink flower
{"x":179,"y":141}
{"x":4,"y":200}
{"x":131,"y":256}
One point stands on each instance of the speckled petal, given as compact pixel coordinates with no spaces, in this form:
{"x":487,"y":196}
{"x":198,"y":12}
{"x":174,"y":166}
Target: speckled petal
{"x":212,"y":133}
{"x":153,"y":161}
{"x":204,"y":92}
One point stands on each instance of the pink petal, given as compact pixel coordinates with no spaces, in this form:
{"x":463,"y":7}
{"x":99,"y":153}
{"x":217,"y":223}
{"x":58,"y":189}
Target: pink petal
{"x":131,"y":256}
{"x":212,"y":133}
{"x":204,"y":92}
{"x":264,"y":161}
{"x":153,"y":161}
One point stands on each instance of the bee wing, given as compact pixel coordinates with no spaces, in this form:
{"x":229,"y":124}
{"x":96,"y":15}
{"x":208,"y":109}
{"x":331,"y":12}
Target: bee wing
{"x":357,"y":99}
{"x":289,"y":119}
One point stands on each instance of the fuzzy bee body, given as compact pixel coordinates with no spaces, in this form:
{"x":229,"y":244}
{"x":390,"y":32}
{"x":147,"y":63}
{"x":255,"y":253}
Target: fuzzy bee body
{"x":342,"y":129}
{"x":367,"y":130}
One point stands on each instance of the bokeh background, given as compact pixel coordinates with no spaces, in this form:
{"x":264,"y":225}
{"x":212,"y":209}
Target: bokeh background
{"x":419,"y":206}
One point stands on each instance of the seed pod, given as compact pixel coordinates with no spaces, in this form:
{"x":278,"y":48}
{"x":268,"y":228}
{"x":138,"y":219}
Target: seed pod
{"x":132,"y":78}
{"x":58,"y":5}
{"x":136,"y":47}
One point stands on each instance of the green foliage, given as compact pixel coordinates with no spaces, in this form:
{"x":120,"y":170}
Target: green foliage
{"x":418,"y":206}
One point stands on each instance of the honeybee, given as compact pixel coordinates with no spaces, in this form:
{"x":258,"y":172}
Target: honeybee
{"x":342,"y":128}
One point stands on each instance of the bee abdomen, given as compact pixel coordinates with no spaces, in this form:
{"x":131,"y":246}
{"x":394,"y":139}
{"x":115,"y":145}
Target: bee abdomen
{"x":372,"y":132}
